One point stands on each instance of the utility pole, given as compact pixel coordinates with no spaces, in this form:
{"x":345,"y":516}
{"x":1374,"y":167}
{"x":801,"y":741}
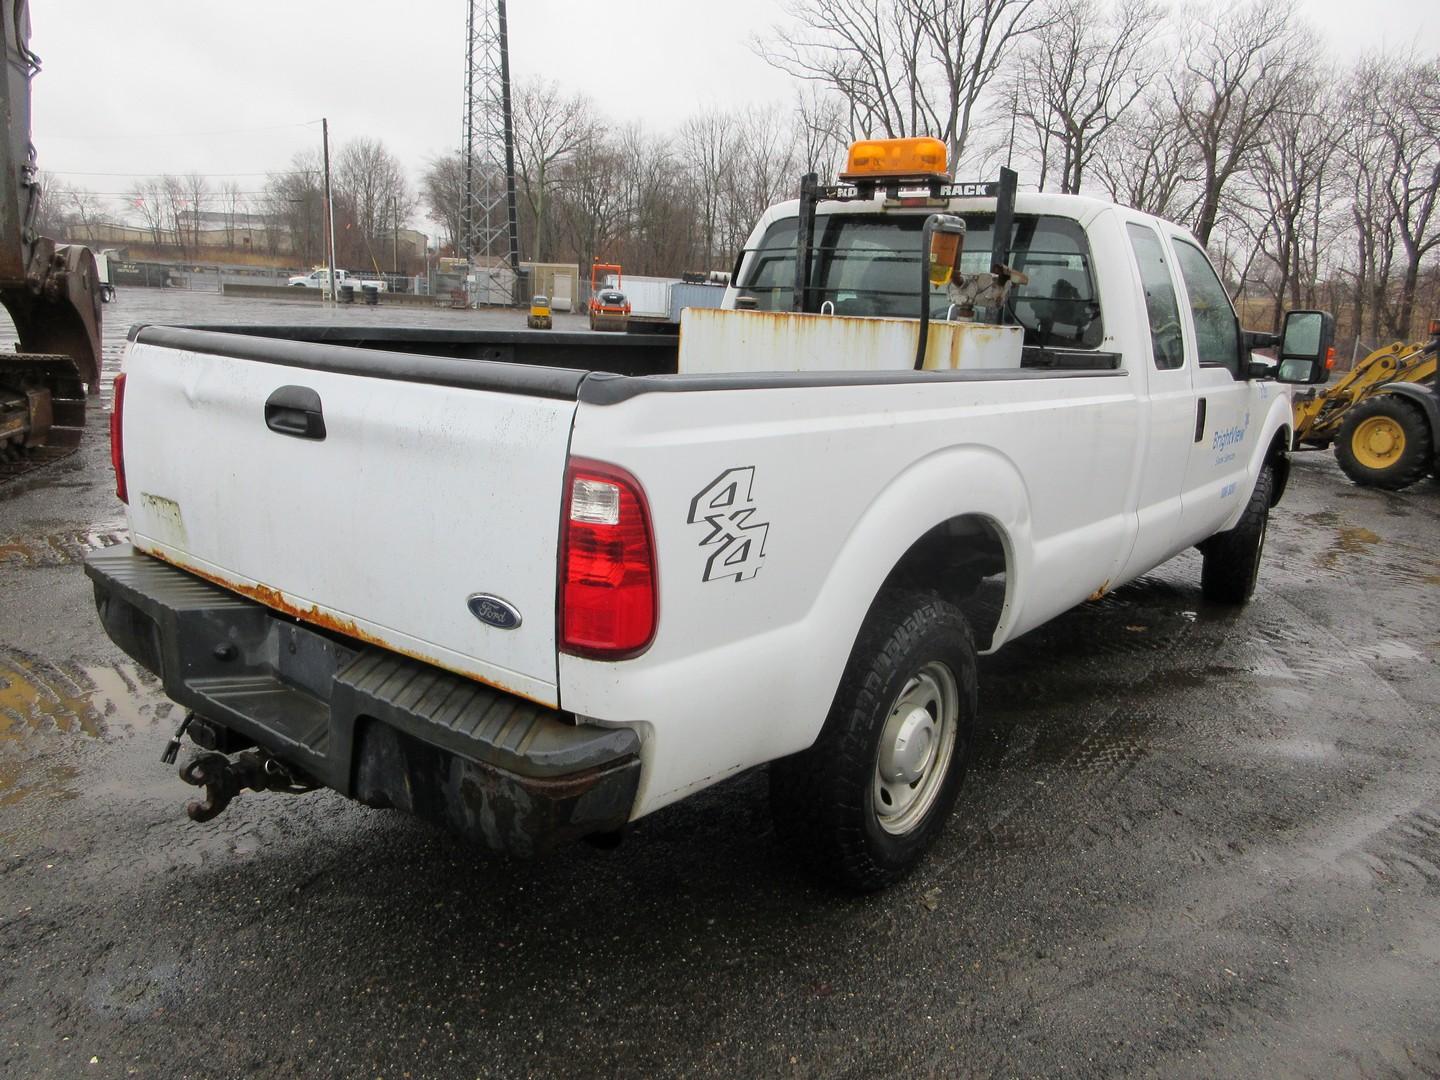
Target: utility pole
{"x":329,"y":209}
{"x":395,"y":244}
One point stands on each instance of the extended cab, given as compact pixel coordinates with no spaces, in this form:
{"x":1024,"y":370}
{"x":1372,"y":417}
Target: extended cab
{"x":538,"y":585}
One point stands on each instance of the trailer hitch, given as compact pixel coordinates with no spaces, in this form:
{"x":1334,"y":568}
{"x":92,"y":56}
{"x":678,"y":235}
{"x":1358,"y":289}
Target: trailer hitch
{"x":223,"y":779}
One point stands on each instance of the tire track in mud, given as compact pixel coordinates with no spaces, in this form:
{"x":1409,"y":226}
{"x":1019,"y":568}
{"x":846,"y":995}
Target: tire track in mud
{"x":43,"y":704}
{"x":1068,"y":743}
{"x":66,"y":547}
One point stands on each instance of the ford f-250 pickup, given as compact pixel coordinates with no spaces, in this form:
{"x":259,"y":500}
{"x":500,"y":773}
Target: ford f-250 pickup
{"x":536,"y":586}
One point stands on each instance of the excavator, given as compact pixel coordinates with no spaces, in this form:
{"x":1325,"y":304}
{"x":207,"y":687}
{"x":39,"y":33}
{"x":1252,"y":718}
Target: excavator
{"x":52,"y":292}
{"x":1382,"y":417}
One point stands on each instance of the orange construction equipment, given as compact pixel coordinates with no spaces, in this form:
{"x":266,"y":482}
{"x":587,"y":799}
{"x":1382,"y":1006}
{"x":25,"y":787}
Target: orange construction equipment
{"x":609,"y":310}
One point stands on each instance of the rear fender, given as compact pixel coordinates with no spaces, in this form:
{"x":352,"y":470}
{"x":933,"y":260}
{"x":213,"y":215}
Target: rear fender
{"x":967,"y":480}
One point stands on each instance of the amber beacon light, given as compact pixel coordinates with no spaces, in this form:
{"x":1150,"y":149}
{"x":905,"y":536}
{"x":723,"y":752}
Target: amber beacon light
{"x":871,"y":159}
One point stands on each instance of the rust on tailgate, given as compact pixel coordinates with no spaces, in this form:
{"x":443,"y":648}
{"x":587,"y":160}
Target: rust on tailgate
{"x":277,"y":601}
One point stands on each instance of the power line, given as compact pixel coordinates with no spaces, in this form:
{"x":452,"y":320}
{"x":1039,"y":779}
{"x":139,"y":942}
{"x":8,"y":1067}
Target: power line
{"x":267,"y":172}
{"x":181,"y":134}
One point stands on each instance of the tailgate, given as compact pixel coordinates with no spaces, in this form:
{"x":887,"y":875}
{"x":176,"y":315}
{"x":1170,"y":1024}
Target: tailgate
{"x":436,"y":480}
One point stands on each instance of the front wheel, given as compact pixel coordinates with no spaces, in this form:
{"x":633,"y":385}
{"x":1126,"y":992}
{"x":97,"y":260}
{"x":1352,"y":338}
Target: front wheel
{"x":1231,"y":564}
{"x":1385,"y":443}
{"x":867,"y":800}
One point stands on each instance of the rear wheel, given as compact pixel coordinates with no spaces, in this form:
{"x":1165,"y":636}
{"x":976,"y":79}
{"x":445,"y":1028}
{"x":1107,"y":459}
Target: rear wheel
{"x":1385,"y":442}
{"x":868,"y":799}
{"x":1231,"y":564}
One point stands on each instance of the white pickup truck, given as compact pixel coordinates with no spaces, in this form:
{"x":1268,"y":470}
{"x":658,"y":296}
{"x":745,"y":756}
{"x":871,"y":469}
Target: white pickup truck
{"x":536,"y":586}
{"x":319,"y":278}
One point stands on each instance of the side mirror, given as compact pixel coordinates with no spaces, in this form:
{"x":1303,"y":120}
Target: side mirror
{"x":1307,"y":347}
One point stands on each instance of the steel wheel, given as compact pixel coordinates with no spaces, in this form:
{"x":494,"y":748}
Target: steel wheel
{"x":916,"y":745}
{"x":1378,"y":442}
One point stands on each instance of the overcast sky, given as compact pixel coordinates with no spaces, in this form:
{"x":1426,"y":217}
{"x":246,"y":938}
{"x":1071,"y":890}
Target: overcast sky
{"x":138,"y":87}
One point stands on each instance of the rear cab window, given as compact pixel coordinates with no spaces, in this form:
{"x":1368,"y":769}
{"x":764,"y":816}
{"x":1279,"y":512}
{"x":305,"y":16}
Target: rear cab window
{"x":869,"y":264}
{"x":1167,"y":340}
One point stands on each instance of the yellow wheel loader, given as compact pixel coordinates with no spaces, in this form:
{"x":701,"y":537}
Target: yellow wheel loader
{"x":1383,"y":417}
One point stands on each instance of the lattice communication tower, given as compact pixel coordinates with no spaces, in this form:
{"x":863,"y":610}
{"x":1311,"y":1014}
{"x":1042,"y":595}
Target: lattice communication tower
{"x":488,"y":233}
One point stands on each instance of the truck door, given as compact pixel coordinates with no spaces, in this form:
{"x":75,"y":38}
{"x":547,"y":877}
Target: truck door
{"x":1215,"y":481}
{"x":1171,"y":407}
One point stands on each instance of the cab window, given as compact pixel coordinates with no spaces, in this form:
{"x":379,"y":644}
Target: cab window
{"x":1166,"y":340}
{"x":869,"y":264}
{"x":1217,"y":331}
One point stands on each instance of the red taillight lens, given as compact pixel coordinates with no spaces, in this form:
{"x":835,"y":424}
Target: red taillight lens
{"x":117,"y":439}
{"x":607,"y":564}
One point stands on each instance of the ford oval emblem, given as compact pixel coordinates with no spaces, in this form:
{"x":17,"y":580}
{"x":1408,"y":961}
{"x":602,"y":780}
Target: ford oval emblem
{"x":493,"y":611}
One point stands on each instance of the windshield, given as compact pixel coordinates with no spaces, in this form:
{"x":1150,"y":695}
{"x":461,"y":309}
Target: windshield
{"x":869,"y":264}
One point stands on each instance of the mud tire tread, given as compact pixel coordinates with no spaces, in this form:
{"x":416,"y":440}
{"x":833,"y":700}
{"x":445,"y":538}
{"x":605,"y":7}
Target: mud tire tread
{"x":1232,"y":558}
{"x":820,"y":797}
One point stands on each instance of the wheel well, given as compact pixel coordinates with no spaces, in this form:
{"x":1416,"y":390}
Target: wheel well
{"x":1278,"y":458}
{"x":964,"y":560}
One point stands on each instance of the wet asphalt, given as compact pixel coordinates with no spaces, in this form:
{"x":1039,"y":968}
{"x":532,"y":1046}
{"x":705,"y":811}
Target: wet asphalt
{"x":1194,"y":842}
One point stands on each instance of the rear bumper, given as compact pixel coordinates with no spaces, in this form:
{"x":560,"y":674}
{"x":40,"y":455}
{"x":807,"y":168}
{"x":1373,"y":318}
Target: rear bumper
{"x":379,"y":727}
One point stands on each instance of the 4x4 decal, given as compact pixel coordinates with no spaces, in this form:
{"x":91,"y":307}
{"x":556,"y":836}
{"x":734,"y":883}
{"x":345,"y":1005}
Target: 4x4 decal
{"x":727,"y":506}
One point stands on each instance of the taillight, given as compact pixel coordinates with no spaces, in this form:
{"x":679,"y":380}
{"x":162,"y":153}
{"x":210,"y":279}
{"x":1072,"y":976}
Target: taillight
{"x":607,"y":564}
{"x":117,"y":438}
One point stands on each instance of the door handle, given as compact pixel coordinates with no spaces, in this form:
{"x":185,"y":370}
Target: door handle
{"x":295,"y":411}
{"x":1200,"y":420}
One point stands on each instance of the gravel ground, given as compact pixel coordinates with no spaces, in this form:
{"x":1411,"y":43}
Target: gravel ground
{"x":1195,"y":842}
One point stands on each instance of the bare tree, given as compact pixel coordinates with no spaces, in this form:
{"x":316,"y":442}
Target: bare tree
{"x":820,"y":133}
{"x":764,"y":171}
{"x":902,"y":67}
{"x":196,"y":194}
{"x":707,"y":145}
{"x":1236,"y":68}
{"x":232,"y":206}
{"x":1294,"y":157}
{"x":147,"y":198}
{"x":295,"y":206}
{"x":1408,"y":118}
{"x":172,"y":209}
{"x":372,"y":194}
{"x":1078,"y":75}
{"x":442,"y":193}
{"x":549,"y":126}
{"x":1148,"y":162}
{"x":593,"y":208}
{"x":53,"y":205}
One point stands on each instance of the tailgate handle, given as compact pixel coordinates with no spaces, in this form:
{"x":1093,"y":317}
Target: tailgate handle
{"x":295,"y":410}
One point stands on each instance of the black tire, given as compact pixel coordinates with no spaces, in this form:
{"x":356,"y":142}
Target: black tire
{"x":1232,"y":558}
{"x":1405,"y":466}
{"x":823,"y":799}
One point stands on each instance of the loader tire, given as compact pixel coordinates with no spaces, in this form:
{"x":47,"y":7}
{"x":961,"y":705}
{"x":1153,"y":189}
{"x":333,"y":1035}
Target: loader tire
{"x":1231,"y":563}
{"x":1385,"y":442}
{"x":863,"y":804}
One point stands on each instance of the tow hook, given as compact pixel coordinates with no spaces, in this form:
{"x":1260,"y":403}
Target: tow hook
{"x":223,"y":779}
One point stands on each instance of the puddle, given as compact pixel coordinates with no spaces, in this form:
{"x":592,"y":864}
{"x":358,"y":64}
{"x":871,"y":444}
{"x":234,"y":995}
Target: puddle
{"x":43,"y":704}
{"x":63,"y":548}
{"x":1349,"y":540}
{"x":37,"y":697}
